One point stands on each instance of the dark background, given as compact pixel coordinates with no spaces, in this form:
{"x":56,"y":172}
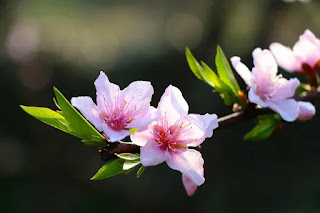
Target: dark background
{"x":46,"y":43}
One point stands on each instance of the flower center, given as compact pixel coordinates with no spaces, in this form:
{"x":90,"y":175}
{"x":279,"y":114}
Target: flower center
{"x":120,"y":114}
{"x":268,"y":87}
{"x":169,"y":137}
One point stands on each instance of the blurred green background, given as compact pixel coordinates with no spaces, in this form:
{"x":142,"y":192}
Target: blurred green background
{"x":45,"y":43}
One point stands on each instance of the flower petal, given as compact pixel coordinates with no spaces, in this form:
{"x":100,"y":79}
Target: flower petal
{"x":146,"y":118}
{"x":254,"y":98}
{"x":286,"y":58}
{"x":138,"y":94}
{"x":106,"y":92}
{"x":264,"y":60}
{"x":285,"y":89}
{"x":172,"y":105}
{"x":287,"y":108}
{"x":89,"y":110}
{"x":242,"y":70}
{"x":307,"y":48}
{"x":189,"y":185}
{"x":152,"y":154}
{"x":141,"y":137}
{"x":198,"y":127}
{"x":114,"y":135}
{"x":190,"y":163}
{"x":311,"y":37}
{"x":306,"y":111}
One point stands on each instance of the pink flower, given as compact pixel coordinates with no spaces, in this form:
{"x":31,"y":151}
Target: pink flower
{"x":306,"y":111}
{"x":267,"y":89}
{"x":303,"y":1}
{"x":117,"y":111}
{"x":168,"y":138}
{"x":303,"y":58}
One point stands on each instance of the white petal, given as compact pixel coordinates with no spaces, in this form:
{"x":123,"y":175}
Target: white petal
{"x":311,"y":37}
{"x":306,"y":111}
{"x":198,"y":127}
{"x":264,"y":60}
{"x":190,"y":163}
{"x":307,"y":49}
{"x":254,"y":97}
{"x":242,"y":70}
{"x":285,"y":89}
{"x":140,"y":138}
{"x":189,"y":185}
{"x":138,"y":94}
{"x":113,"y":135}
{"x":106,"y":91}
{"x":145,"y":119}
{"x":172,"y":105}
{"x":152,"y":154}
{"x":89,"y":110}
{"x":286,"y":58}
{"x":287,"y":108}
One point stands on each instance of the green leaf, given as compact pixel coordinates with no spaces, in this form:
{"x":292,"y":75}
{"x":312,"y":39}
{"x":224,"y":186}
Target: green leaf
{"x":94,"y":141}
{"x":140,"y":171}
{"x":49,"y":117}
{"x":110,"y":169}
{"x":133,"y":130}
{"x":207,"y":75}
{"x":80,"y":126}
{"x":265,"y":127}
{"x":196,"y":68}
{"x":129,"y":164}
{"x":128,"y":156}
{"x":224,"y":90}
{"x":302,"y":88}
{"x":213,"y":78}
{"x":225,"y":72}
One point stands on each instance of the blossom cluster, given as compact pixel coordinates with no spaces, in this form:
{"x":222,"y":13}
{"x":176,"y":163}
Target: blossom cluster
{"x":166,"y":133}
{"x":268,"y":89}
{"x":169,"y":134}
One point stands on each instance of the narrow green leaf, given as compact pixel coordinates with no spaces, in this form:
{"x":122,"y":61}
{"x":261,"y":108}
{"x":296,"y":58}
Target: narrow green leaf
{"x":129,"y":164}
{"x":109,"y":169}
{"x":213,"y":77}
{"x":207,"y":76}
{"x":128,"y":156}
{"x":194,"y":65}
{"x":81,"y":127}
{"x":49,"y":117}
{"x":225,"y":71}
{"x":265,"y":127}
{"x":224,"y":90}
{"x":140,"y":171}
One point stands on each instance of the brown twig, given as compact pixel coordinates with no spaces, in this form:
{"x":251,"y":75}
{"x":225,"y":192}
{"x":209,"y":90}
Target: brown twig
{"x":252,"y":111}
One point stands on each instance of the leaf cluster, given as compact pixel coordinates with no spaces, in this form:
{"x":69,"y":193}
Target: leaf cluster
{"x":222,"y":82}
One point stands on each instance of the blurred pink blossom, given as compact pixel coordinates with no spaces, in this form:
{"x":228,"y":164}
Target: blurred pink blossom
{"x":303,"y":1}
{"x":306,"y":111}
{"x":304,"y":57}
{"x":168,"y":138}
